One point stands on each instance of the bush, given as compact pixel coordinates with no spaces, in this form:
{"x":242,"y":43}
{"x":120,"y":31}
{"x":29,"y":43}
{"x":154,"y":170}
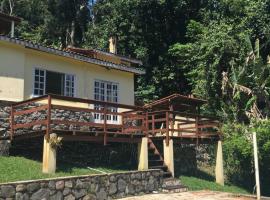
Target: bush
{"x":238,"y":153}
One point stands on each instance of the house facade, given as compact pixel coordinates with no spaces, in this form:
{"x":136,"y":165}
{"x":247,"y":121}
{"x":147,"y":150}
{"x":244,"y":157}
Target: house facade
{"x":29,"y":70}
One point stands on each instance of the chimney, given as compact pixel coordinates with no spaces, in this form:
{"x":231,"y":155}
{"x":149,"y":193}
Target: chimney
{"x":113,"y":45}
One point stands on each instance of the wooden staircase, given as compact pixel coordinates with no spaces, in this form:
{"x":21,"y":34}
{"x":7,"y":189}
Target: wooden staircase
{"x":156,"y":161}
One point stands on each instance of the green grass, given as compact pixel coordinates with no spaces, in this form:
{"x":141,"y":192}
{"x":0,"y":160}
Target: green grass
{"x":19,"y":168}
{"x":194,"y":183}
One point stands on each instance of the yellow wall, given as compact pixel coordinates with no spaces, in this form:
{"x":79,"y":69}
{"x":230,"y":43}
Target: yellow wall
{"x":17,"y":65}
{"x":12,"y":60}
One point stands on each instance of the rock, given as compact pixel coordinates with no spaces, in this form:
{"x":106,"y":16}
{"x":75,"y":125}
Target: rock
{"x":7,"y":191}
{"x":20,"y":196}
{"x":138,"y":176}
{"x":41,"y":194}
{"x":59,"y":185}
{"x":121,"y":185}
{"x":44,"y":185}
{"x":102,"y":195}
{"x":130,"y":189}
{"x":112,"y":178}
{"x":89,"y":197}
{"x":79,"y":193}
{"x":93,"y":188}
{"x":112,"y":188}
{"x":132,"y":176}
{"x":36,"y":127}
{"x":20,"y":188}
{"x":57,"y":196}
{"x":66,"y":191}
{"x":69,"y":197}
{"x":68,"y":184}
{"x":51,"y":185}
{"x":32,"y":187}
{"x":120,"y":195}
{"x":79,"y":184}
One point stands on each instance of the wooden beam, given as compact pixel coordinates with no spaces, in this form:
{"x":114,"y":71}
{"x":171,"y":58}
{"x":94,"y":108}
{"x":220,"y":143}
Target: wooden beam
{"x":100,"y":139}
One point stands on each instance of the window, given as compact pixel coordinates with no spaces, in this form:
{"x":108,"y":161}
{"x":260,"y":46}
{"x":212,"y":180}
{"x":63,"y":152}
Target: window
{"x":48,"y":82}
{"x":69,"y":85}
{"x":39,"y":82}
{"x":106,"y":91}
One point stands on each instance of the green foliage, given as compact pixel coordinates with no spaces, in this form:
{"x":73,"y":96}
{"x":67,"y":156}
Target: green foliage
{"x":238,"y":153}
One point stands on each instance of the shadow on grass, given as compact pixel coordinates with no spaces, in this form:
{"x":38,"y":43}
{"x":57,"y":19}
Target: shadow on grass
{"x":198,"y":174}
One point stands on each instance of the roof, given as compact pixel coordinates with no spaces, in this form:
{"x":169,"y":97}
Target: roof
{"x":176,"y":99}
{"x":69,"y":54}
{"x":119,"y":56}
{"x":91,"y":52}
{"x":10,"y":18}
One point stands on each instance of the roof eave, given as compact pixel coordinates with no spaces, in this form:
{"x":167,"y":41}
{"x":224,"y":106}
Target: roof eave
{"x":72,"y":55}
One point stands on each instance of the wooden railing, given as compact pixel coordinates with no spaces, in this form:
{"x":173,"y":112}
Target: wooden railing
{"x":184,"y":125}
{"x":129,"y":120}
{"x":132,"y":122}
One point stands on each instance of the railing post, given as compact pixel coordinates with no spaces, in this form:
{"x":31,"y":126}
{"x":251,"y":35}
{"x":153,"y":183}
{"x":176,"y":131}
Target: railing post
{"x":49,"y":117}
{"x":105,"y":125}
{"x":11,"y":122}
{"x":122,"y":122}
{"x":197,"y":128}
{"x":167,"y":129}
{"x":153,"y":124}
{"x":147,"y":124}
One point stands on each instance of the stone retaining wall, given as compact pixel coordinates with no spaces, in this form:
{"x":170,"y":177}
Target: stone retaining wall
{"x":4,"y":119}
{"x":4,"y":147}
{"x":99,"y":187}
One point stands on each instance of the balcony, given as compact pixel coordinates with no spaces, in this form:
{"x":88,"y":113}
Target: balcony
{"x":90,"y":120}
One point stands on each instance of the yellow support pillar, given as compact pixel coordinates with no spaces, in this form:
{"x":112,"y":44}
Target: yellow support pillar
{"x":168,"y":155}
{"x":219,"y":164}
{"x":143,"y":154}
{"x":49,"y":157}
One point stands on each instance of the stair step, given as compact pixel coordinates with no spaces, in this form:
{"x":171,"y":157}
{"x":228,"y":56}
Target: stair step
{"x":167,"y":174}
{"x":171,"y":182}
{"x":173,"y":185}
{"x":156,"y":162}
{"x":153,"y":157}
{"x":175,"y":189}
{"x":159,"y":167}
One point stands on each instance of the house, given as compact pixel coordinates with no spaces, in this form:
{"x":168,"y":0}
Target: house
{"x":32,"y":70}
{"x":88,"y":95}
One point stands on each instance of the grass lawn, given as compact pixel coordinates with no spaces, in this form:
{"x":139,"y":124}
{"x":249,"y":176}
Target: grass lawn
{"x":194,"y":183}
{"x":19,"y":168}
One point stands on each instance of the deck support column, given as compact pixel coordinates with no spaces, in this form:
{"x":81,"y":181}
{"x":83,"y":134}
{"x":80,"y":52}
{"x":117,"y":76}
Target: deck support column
{"x":143,"y":154}
{"x":49,"y":157}
{"x":168,"y":155}
{"x":219,"y":164}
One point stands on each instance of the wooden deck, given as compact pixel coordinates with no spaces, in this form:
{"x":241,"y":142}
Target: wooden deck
{"x":130,"y":124}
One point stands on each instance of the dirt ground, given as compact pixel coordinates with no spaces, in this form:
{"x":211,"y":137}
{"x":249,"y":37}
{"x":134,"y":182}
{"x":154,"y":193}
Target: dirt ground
{"x":202,"y":195}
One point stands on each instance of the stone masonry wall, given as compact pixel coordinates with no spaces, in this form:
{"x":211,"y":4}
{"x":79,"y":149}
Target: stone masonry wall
{"x":99,"y":187}
{"x":4,"y":119}
{"x":4,"y":147}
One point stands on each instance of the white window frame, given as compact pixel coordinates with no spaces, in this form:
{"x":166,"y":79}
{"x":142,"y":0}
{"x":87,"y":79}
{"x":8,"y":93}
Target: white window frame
{"x":67,"y":93}
{"x":99,"y":118}
{"x":34,"y":81}
{"x":44,"y":86}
